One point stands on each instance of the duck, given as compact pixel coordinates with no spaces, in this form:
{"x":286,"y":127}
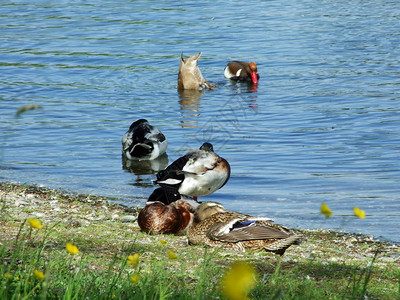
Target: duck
{"x":198,"y":173}
{"x":242,"y":71}
{"x":189,"y":75}
{"x":143,"y":141}
{"x":167,"y":215}
{"x":215,"y":226}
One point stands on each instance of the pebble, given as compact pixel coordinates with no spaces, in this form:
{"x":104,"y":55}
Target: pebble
{"x":115,"y":216}
{"x":21,"y":202}
{"x":74,"y":223}
{"x":128,"y":219}
{"x":39,"y":215}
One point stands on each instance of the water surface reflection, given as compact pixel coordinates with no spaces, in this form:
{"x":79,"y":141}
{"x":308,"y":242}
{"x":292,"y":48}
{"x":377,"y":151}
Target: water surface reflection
{"x":189,"y":101}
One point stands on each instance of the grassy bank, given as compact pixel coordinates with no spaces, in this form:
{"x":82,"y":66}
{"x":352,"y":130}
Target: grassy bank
{"x":35,"y":263}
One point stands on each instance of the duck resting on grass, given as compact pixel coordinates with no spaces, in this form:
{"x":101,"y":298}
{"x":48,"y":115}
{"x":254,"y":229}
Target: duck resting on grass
{"x":214,"y":226}
{"x":242,"y":71}
{"x":172,"y":214}
{"x":143,"y":141}
{"x":189,"y":76}
{"x":198,"y":173}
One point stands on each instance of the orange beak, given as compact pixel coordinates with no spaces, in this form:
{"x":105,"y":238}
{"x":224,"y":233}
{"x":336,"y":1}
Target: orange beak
{"x":254,"y":77}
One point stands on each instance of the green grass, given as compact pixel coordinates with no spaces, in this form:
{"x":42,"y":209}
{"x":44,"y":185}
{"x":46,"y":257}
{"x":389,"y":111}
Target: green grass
{"x":101,"y":272}
{"x":96,"y":273}
{"x":100,"y":269}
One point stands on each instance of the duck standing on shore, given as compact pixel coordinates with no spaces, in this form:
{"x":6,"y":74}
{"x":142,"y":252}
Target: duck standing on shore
{"x":198,"y":173}
{"x":214,"y":226}
{"x":143,"y":141}
{"x":242,"y":71}
{"x":189,"y":76}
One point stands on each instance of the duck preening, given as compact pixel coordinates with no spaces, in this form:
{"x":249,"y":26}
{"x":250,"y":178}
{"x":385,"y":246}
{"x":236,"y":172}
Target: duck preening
{"x":242,"y":71}
{"x":172,"y":214}
{"x":198,"y":173}
{"x":214,"y":226}
{"x":189,"y":76}
{"x":143,"y":141}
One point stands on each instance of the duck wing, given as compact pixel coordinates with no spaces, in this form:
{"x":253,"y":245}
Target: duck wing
{"x":237,"y":70}
{"x":243,"y":229}
{"x":200,"y":162}
{"x":155,"y":136}
{"x":173,"y":174}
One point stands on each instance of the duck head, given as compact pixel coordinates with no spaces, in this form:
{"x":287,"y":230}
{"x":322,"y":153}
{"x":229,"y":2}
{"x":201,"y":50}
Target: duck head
{"x":253,"y":71}
{"x":206,"y":210}
{"x":207,"y":147}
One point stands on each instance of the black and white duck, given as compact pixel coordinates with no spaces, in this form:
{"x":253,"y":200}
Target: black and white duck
{"x":143,"y":141}
{"x":198,"y":173}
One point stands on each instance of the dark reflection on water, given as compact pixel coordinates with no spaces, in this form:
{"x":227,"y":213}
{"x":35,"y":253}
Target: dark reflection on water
{"x":145,"y":167}
{"x":321,"y":125}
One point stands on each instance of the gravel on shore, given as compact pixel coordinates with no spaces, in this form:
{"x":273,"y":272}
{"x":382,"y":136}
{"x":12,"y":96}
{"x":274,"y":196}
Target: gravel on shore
{"x":19,"y":202}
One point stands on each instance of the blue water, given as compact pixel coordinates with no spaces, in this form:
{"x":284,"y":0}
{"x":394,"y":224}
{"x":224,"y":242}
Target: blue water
{"x":321,"y":126}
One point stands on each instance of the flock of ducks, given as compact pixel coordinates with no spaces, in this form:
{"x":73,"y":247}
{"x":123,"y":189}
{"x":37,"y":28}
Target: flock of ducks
{"x":172,"y":208}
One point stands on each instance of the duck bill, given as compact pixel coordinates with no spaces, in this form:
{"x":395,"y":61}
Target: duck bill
{"x":254,"y":77}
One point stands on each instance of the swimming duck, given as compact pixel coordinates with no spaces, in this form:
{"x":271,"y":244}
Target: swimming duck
{"x":242,"y":71}
{"x":197,"y":173}
{"x":143,"y":141}
{"x":213,"y":225}
{"x":167,"y":215}
{"x":189,"y":76}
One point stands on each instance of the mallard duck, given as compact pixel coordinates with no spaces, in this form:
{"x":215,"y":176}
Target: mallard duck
{"x":213,"y":225}
{"x":143,"y":141}
{"x":189,"y":76}
{"x":242,"y":71}
{"x":197,"y":173}
{"x":164,"y":214}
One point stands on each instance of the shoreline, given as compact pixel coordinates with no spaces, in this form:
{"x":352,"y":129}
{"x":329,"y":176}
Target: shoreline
{"x":326,"y":264}
{"x":21,"y":201}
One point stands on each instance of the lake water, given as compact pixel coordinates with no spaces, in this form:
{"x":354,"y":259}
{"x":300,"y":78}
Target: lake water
{"x":323,"y":124}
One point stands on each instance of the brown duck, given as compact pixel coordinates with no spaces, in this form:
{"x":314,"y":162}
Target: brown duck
{"x":189,"y":76}
{"x":167,"y":212}
{"x":214,"y":226}
{"x":242,"y":71}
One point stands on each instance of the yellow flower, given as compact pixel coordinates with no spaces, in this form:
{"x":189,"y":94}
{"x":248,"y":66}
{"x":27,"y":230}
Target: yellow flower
{"x":172,"y":255}
{"x":162,"y":242}
{"x":71,"y":248}
{"x":359,"y":212}
{"x":135,"y":278}
{"x":8,"y":276}
{"x":38,"y":274}
{"x":133,"y":260}
{"x":238,"y":281}
{"x":325,"y":210}
{"x":34,"y":223}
